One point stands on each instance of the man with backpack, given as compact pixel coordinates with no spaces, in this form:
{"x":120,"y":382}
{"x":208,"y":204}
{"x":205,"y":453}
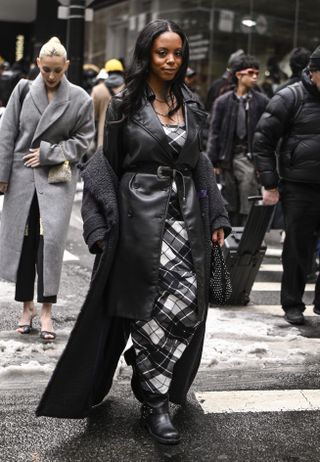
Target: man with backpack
{"x":290,"y":126}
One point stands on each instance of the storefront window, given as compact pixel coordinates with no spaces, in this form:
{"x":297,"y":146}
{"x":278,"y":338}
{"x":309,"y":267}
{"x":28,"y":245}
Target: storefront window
{"x":268,"y":29}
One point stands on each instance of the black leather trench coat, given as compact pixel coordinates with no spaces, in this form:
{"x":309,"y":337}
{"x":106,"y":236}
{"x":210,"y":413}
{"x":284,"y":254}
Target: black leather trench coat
{"x":139,"y":152}
{"x":84,"y":373}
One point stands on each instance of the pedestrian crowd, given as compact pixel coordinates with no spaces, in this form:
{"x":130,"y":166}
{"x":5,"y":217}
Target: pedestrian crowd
{"x":165,"y":179}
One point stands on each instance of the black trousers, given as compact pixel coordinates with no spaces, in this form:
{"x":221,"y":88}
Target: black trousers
{"x":31,"y":260}
{"x":301,"y":209}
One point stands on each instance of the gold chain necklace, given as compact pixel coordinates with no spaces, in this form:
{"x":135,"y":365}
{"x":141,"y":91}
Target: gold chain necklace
{"x":160,"y":113}
{"x":163,"y":115}
{"x":171,"y":118}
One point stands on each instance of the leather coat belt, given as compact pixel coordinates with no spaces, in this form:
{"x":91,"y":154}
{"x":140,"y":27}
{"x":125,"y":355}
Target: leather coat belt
{"x":165,"y":171}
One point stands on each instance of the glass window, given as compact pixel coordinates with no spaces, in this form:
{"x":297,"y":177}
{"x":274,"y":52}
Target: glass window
{"x":268,"y":29}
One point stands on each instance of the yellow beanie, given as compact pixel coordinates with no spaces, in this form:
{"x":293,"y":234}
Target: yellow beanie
{"x":113,"y":65}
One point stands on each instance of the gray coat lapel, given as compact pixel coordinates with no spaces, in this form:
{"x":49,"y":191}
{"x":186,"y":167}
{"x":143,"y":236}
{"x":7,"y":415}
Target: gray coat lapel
{"x":38,"y":94}
{"x":50,"y":112}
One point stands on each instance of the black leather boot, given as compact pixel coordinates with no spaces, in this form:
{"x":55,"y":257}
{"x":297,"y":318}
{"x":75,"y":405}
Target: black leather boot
{"x":130,"y":358}
{"x":156,"y":419}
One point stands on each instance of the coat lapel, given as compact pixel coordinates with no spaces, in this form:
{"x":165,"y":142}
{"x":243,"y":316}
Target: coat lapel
{"x":38,"y":94}
{"x":147,"y":119}
{"x":194,"y":118}
{"x":49,"y":112}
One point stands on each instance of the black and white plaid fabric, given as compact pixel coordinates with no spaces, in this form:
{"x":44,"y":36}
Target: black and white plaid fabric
{"x":160,"y":342}
{"x":176,"y":135}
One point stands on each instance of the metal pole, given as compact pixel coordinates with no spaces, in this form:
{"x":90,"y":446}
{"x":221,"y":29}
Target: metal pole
{"x":211,"y":48}
{"x":249,"y":45}
{"x":296,"y":24}
{"x":75,"y":40}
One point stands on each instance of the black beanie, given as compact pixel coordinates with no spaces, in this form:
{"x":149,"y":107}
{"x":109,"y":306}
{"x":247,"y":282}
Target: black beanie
{"x":314,"y":64}
{"x":299,"y":59}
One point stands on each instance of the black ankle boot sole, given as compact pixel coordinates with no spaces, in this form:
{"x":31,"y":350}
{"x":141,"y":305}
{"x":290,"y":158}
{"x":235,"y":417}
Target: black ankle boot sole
{"x":159,"y":439}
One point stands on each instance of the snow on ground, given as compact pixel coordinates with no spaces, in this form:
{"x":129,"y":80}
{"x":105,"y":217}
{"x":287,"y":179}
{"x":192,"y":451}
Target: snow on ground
{"x":20,"y":372}
{"x":26,"y":358}
{"x":257,"y":338}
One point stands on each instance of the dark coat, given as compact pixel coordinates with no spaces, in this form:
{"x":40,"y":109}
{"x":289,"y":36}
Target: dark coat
{"x":297,"y":123}
{"x":223,"y":122}
{"x":135,"y":149}
{"x":84,"y":372}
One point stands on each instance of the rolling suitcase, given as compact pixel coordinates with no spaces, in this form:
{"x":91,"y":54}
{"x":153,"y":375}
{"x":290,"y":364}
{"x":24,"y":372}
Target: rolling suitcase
{"x":244,"y":250}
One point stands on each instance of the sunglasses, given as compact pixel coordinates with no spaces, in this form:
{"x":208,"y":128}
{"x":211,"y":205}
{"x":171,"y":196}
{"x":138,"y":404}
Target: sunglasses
{"x":250,"y":72}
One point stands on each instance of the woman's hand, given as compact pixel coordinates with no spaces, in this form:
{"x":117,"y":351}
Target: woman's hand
{"x":32,"y":159}
{"x":3,"y":187}
{"x":100,"y":244}
{"x":218,"y":236}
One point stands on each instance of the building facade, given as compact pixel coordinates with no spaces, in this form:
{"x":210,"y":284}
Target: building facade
{"x":268,"y":29}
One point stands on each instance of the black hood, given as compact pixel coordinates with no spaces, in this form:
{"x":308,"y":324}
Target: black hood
{"x":308,"y":84}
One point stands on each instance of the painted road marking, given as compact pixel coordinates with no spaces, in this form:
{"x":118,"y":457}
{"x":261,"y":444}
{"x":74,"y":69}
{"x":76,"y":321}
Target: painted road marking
{"x":259,"y":401}
{"x":273,"y":252}
{"x":275,"y":286}
{"x":271,"y":267}
{"x":67,"y":256}
{"x":268,"y":309}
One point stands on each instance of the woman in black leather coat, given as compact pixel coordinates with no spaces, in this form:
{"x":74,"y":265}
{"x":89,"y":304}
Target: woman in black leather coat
{"x":152,"y":141}
{"x":152,"y":216}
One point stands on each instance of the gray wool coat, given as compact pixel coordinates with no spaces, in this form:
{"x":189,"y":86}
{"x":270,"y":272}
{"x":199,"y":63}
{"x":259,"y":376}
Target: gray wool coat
{"x":63,"y":129}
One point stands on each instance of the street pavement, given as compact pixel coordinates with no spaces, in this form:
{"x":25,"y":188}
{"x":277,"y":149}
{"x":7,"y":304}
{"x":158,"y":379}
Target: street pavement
{"x":256,"y":396}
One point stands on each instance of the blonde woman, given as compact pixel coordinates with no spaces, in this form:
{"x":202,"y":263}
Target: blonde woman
{"x":45,"y":123}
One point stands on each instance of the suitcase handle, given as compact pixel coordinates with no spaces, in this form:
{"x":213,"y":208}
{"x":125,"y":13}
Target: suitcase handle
{"x":256,"y":199}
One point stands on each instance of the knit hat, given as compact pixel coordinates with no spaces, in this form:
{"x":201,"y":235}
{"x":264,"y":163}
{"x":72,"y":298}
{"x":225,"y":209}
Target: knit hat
{"x":114,"y":80}
{"x":103,"y":74}
{"x":314,"y":63}
{"x":299,"y":59}
{"x":113,"y":65}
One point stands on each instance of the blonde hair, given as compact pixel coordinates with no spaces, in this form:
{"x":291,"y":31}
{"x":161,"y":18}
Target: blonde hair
{"x":53,"y":48}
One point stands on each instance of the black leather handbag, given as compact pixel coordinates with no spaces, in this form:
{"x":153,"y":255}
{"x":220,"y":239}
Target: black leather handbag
{"x":220,"y":288}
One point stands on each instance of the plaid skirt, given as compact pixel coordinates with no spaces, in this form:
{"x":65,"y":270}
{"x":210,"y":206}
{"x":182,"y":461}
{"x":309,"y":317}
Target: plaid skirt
{"x":160,"y":342}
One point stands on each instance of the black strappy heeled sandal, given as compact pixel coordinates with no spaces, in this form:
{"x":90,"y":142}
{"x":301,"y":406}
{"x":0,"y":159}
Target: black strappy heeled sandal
{"x":44,"y":336}
{"x":26,"y":328}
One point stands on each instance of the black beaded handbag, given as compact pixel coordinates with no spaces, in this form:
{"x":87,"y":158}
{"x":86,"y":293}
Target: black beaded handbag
{"x":220,"y":288}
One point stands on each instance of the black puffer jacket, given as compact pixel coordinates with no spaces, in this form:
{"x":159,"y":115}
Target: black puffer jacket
{"x":296,"y":123}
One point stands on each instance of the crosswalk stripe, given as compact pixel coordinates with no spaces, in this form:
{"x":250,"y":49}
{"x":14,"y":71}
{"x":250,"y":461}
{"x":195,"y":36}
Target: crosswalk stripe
{"x":275,"y":287}
{"x":68,"y":256}
{"x":273,"y":252}
{"x":259,"y":401}
{"x":271,"y":267}
{"x":272,"y":310}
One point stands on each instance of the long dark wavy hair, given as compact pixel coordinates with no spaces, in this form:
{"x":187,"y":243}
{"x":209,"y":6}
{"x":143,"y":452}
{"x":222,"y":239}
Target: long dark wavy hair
{"x":137,"y":74}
